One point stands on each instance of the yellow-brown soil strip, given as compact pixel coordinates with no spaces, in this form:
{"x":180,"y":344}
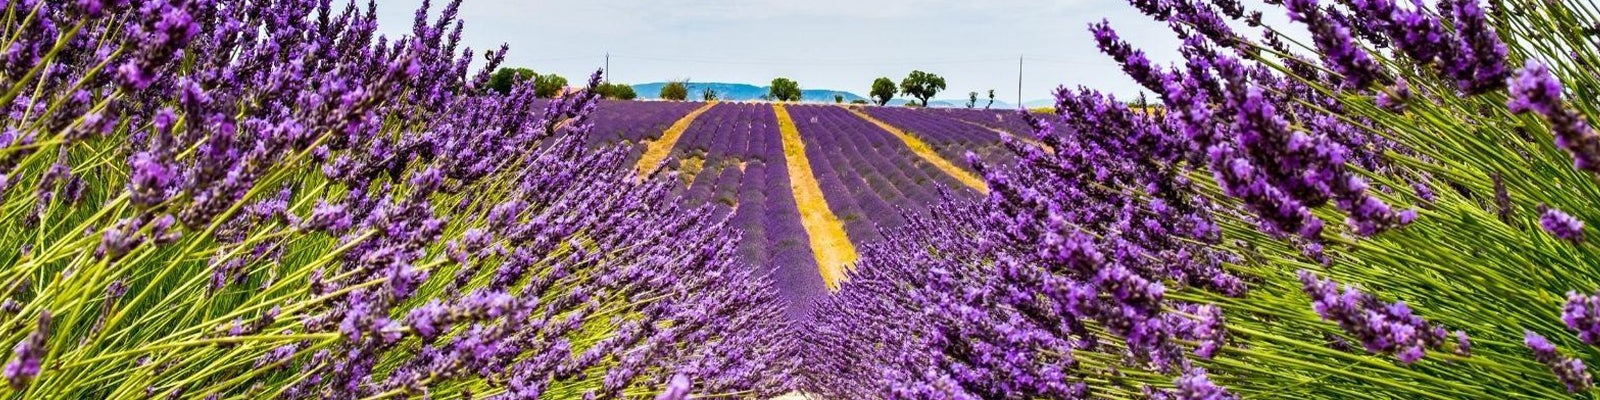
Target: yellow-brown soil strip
{"x":829,"y":242}
{"x":926,"y":152}
{"x":1002,"y":132}
{"x":658,"y":150}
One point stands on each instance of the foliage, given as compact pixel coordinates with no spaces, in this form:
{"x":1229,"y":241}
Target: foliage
{"x":617,"y":91}
{"x":972,"y":99}
{"x":546,"y":86}
{"x":991,"y":100}
{"x":505,"y":77}
{"x":242,"y":199}
{"x":1398,"y":208}
{"x":675,"y":90}
{"x":921,"y":86}
{"x":783,"y":89}
{"x":883,"y":90}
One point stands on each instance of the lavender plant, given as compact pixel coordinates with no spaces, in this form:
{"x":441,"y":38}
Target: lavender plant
{"x":239,"y":199}
{"x":1394,"y":208}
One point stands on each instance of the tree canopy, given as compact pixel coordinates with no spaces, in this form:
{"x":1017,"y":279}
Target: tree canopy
{"x":544,"y":85}
{"x":883,"y":90}
{"x":922,"y":86}
{"x":548,"y":85}
{"x":675,"y":90}
{"x":504,"y":78}
{"x":783,"y":89}
{"x":617,"y":91}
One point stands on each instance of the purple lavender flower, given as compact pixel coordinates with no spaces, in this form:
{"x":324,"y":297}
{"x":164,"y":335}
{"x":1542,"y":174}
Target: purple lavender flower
{"x":328,"y":217}
{"x":150,"y":181}
{"x":1535,"y":89}
{"x":1582,"y":314}
{"x":677,"y":389}
{"x":1388,"y":328}
{"x":28,"y":355}
{"x":1561,"y":225}
{"x":1567,"y":369}
{"x":1195,"y":385}
{"x":1339,"y":50}
{"x":1479,"y":56}
{"x":1210,"y":330}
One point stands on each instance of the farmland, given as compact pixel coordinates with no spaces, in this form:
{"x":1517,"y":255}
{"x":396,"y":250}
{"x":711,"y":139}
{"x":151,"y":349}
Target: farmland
{"x":238,"y":199}
{"x":733,"y":158}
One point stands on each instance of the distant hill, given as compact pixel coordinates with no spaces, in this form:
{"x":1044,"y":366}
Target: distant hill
{"x":747,"y":92}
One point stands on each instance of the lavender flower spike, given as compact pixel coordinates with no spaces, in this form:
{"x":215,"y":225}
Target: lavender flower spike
{"x":1195,"y":385}
{"x":1582,"y":314}
{"x":1561,"y":225}
{"x":1382,"y":328}
{"x":677,"y":389}
{"x":29,"y":354}
{"x":1569,"y":370}
{"x":1536,"y":90}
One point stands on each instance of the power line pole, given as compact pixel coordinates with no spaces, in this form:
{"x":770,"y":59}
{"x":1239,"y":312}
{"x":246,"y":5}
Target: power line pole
{"x":1019,"y":83}
{"x":608,"y":68}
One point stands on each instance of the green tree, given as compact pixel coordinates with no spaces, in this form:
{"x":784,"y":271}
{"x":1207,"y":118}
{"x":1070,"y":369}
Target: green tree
{"x":922,"y":86}
{"x":709,"y":94}
{"x":883,"y":90}
{"x":616,"y":91}
{"x":675,"y":90}
{"x":783,"y":89}
{"x":991,"y":99}
{"x":504,"y":78}
{"x":858,"y":101}
{"x":972,"y":99}
{"x":838,"y":98}
{"x":548,"y":85}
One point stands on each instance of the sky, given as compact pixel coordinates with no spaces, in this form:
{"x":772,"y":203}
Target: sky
{"x":822,"y":44}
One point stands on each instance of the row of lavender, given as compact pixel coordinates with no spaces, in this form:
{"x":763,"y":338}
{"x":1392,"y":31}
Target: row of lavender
{"x":869,"y":177}
{"x":244,"y":199}
{"x":742,"y":171}
{"x":950,"y":135}
{"x":1392,"y":209}
{"x":633,"y":123}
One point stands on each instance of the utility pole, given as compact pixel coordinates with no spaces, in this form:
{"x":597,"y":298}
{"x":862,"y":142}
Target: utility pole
{"x":1019,"y":83}
{"x":607,"y":76}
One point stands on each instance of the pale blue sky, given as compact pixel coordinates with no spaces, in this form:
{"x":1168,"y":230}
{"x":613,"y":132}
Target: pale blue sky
{"x":823,"y":44}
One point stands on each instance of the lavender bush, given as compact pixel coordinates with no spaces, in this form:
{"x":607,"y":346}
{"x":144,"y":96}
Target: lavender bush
{"x":239,"y":199}
{"x":1393,"y":207}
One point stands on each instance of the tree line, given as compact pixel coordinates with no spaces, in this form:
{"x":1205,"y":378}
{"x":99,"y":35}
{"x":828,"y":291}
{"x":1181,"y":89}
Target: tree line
{"x":920,"y":86}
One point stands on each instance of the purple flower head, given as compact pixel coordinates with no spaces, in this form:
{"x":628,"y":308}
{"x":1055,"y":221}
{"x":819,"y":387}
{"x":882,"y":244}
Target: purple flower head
{"x":1582,"y":314}
{"x":677,"y":389}
{"x":428,"y":319}
{"x":1339,"y":49}
{"x":1570,"y":371}
{"x":1536,"y":90}
{"x":328,"y":218}
{"x":1395,"y":98}
{"x":1561,"y":225}
{"x":1196,"y":385}
{"x":1479,"y":62}
{"x":150,"y":181}
{"x":28,"y":355}
{"x":1210,"y":330}
{"x":1384,"y":328}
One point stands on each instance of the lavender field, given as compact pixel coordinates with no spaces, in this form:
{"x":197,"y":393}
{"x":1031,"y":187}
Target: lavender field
{"x":292,"y":199}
